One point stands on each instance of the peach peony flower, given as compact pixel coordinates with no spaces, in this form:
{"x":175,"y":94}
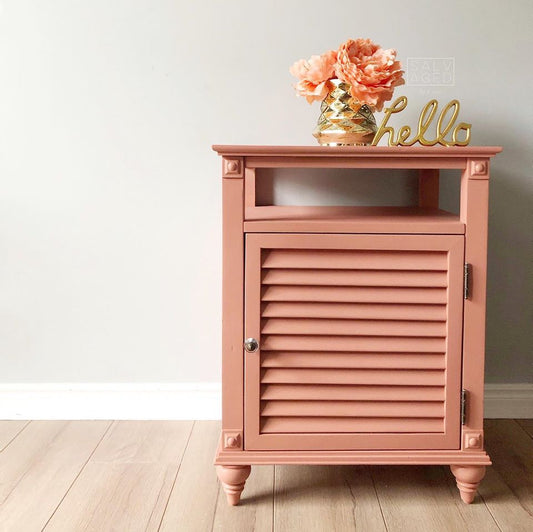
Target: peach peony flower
{"x":371,"y":71}
{"x":313,"y":75}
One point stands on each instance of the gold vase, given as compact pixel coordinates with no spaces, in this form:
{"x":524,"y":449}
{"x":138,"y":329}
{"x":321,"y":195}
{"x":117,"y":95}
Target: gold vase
{"x":343,"y":121}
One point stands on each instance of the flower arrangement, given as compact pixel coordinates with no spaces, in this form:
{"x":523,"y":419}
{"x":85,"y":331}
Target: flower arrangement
{"x":371,"y":71}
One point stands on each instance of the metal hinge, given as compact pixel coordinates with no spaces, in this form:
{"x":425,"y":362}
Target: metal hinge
{"x":463,"y":407}
{"x":466,"y":285}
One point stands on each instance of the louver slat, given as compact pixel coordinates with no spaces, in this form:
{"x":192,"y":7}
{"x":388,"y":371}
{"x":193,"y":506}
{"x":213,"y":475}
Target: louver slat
{"x":353,"y":343}
{"x":354,"y":277}
{"x":326,"y":392}
{"x":344,"y":424}
{"x":340,"y":294}
{"x":353,"y":327}
{"x":349,"y":409}
{"x":354,"y":376}
{"x":355,"y":259}
{"x":317,"y":359}
{"x":391,"y":311}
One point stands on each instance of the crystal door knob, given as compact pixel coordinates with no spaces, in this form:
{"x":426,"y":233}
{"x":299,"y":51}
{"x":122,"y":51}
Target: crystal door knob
{"x":251,"y":345}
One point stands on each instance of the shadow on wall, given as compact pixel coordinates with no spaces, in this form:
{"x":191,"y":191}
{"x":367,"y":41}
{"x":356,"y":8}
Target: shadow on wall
{"x":510,"y":264}
{"x":316,"y":186}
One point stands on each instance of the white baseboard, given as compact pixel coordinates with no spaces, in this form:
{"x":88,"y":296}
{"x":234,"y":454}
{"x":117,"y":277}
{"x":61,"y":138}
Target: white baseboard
{"x":110,"y":401}
{"x":178,"y":401}
{"x":509,"y":401}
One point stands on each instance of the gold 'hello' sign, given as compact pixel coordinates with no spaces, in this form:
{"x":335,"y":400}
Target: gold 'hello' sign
{"x":445,"y":125}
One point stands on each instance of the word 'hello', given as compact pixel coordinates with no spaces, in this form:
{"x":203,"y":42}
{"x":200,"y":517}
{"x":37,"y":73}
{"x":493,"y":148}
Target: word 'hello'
{"x":444,"y":126}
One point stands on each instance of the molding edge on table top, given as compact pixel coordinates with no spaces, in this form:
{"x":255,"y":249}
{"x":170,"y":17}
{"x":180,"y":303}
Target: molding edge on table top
{"x":353,"y":151}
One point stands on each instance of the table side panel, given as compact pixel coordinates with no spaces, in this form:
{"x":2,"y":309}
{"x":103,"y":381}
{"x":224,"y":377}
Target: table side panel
{"x":232,"y":306}
{"x":474,"y":214}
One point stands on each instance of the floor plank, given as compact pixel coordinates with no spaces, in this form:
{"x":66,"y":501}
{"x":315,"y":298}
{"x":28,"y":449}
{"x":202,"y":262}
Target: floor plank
{"x":367,"y":510}
{"x":37,"y":469}
{"x":511,"y":451}
{"x":503,"y":505}
{"x":191,"y":506}
{"x":144,"y":442}
{"x":313,"y":498}
{"x":254,"y":512}
{"x":507,"y":488}
{"x":9,"y":431}
{"x":127,"y":482}
{"x":420,"y":498}
{"x":527,"y":425}
{"x":142,"y":475}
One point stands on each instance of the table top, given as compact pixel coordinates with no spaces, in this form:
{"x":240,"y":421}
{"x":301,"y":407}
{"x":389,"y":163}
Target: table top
{"x":354,"y":151}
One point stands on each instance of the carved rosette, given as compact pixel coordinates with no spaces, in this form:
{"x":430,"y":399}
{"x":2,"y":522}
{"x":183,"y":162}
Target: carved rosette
{"x":479,"y":169}
{"x":232,"y":167}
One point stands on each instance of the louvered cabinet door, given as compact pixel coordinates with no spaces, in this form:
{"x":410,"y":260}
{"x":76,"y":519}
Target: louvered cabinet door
{"x":360,"y":341}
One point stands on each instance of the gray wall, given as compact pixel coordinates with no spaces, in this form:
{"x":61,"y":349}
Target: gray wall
{"x":110,"y":196}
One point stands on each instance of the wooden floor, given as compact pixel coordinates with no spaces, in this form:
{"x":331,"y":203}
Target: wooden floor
{"x":158,"y":475}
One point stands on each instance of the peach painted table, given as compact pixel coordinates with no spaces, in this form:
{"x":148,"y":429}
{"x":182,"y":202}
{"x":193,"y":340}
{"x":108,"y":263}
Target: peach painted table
{"x":353,"y":335}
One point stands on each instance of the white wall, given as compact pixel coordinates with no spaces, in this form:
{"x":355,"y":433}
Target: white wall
{"x":110,"y":195}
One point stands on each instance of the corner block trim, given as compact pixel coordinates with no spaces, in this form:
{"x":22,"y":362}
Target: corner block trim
{"x":233,"y":167}
{"x":473,"y":440}
{"x":479,"y":168}
{"x":232,"y":440}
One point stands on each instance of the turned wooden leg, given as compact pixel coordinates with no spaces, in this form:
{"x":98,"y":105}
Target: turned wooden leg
{"x":468,"y":479}
{"x":233,"y":479}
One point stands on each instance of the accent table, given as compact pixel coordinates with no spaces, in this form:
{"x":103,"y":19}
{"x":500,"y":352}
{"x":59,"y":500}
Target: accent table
{"x":353,"y":335}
